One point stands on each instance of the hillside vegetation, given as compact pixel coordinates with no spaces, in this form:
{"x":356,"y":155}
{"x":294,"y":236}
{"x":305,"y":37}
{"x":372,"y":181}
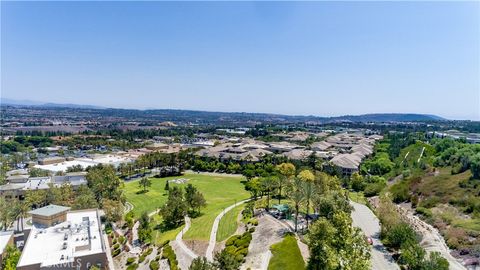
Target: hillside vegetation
{"x":439,"y":177}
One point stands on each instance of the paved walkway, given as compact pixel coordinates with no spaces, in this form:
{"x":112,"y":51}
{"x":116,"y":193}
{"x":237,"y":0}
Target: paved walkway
{"x":268,"y":232}
{"x":213,"y":233}
{"x":185,"y":255}
{"x":366,"y":220}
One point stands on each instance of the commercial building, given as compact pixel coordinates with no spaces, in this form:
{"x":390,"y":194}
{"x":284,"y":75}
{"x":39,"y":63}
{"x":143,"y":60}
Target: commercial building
{"x":63,"y":239}
{"x":19,"y":185}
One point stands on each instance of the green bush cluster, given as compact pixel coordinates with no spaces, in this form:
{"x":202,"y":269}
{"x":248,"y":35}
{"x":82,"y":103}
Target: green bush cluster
{"x":132,"y":266}
{"x":237,"y":246}
{"x":115,"y":252}
{"x":154,"y":265}
{"x":169,"y":254}
{"x":131,"y":260}
{"x":253,"y":222}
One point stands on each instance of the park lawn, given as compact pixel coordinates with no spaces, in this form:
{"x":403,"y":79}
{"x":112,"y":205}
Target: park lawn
{"x":149,"y":201}
{"x":229,"y":223}
{"x":286,"y":255}
{"x":160,"y":237}
{"x":219,"y":191}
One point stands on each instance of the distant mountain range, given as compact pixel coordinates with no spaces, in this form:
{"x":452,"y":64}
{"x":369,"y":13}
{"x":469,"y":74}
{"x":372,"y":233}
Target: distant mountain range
{"x":376,"y":117}
{"x":15,"y":102}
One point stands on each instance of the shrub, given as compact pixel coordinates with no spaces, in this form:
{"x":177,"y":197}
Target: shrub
{"x":373,"y":189}
{"x":169,"y":254}
{"x":122,"y":239}
{"x":251,"y":230}
{"x":154,"y":265}
{"x":141,"y":258}
{"x":429,"y":202}
{"x":424,"y":212}
{"x":116,"y":246}
{"x":239,"y":257}
{"x":231,"y":240}
{"x":148,"y":251}
{"x":131,"y":260}
{"x":400,"y":192}
{"x":132,"y":266}
{"x":399,"y":235}
{"x":253,"y":221}
{"x":115,"y":252}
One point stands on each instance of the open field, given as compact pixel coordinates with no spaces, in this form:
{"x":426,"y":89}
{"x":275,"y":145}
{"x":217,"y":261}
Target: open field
{"x":286,"y":255}
{"x":219,"y":191}
{"x":229,"y":223}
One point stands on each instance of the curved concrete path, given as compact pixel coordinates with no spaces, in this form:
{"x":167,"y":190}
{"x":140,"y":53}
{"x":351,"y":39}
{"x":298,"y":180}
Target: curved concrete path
{"x":213,"y":233}
{"x":366,"y":220}
{"x":179,"y":239}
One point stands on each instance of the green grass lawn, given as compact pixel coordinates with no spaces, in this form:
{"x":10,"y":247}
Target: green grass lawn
{"x":286,"y":255}
{"x":229,"y":223}
{"x":357,"y":197}
{"x":159,"y":237}
{"x":219,"y":191}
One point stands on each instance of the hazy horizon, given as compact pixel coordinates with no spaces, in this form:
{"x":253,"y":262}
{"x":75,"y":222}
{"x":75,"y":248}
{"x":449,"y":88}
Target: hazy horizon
{"x":293,"y":58}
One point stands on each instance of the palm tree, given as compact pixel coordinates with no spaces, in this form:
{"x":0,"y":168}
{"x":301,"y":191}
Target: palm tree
{"x":269,"y":183}
{"x":308,"y":189}
{"x":287,"y":171}
{"x":296,"y":194}
{"x":21,"y":212}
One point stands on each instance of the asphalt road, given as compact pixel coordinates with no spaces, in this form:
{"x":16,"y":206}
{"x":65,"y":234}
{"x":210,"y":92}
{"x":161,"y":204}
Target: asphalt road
{"x":364,"y":218}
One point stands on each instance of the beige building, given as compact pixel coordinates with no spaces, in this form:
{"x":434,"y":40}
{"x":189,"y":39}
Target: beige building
{"x":49,"y":215}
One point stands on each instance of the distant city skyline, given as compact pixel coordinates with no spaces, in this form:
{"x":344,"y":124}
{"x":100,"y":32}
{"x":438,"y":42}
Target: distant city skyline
{"x":294,"y":58}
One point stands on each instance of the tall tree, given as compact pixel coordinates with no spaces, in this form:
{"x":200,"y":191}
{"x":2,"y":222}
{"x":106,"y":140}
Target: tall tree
{"x":334,"y":244}
{"x":144,"y":183}
{"x":144,"y":229}
{"x":84,"y":199}
{"x":194,"y":199}
{"x":296,"y":194}
{"x":113,"y":210}
{"x":269,"y":183}
{"x":174,"y":209}
{"x":7,"y":213}
{"x":286,"y":171}
{"x":105,"y":184}
{"x":307,"y":177}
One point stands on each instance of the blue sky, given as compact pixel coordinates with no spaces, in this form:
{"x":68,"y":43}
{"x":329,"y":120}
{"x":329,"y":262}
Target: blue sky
{"x":316,"y":58}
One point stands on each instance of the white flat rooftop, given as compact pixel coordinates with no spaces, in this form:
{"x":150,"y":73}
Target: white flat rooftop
{"x":4,"y":238}
{"x":114,"y":160}
{"x":80,"y":235}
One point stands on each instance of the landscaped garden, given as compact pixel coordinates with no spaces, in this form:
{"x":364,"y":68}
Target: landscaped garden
{"x":219,"y":192}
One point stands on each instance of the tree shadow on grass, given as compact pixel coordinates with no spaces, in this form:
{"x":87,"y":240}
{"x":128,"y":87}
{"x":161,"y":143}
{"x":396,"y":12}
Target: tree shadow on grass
{"x":142,"y":192}
{"x":194,"y":214}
